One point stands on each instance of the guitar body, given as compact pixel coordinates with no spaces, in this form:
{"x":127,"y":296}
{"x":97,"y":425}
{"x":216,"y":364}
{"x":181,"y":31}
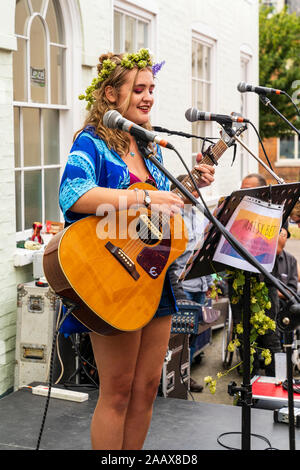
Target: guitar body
{"x":113,"y":266}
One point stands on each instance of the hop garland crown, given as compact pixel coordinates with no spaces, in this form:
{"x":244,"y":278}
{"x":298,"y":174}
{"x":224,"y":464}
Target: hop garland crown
{"x":140,"y":59}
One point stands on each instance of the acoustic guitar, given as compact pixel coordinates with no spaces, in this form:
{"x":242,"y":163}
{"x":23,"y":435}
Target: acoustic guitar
{"x":112,"y":267}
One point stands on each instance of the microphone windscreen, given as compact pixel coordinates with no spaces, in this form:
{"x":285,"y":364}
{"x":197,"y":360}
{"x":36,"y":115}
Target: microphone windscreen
{"x":191,"y":114}
{"x":110,"y":118}
{"x":242,"y":87}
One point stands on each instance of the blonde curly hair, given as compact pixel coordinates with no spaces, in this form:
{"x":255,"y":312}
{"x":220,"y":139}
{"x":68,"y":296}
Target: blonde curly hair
{"x":114,"y":138}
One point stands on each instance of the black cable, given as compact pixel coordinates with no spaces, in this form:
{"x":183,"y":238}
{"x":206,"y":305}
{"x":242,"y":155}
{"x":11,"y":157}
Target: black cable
{"x":50,"y":375}
{"x":262,"y":145}
{"x":239,"y":433}
{"x":184,"y":134}
{"x":82,"y":363}
{"x":296,"y":385}
{"x":294,"y":104}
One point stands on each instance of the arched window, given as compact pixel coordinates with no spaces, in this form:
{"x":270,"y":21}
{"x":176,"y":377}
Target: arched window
{"x":39,"y":99}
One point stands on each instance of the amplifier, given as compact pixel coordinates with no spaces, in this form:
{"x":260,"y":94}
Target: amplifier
{"x":175,"y":378}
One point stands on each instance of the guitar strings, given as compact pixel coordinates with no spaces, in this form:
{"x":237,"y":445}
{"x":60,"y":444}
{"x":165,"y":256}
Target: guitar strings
{"x":133,"y":247}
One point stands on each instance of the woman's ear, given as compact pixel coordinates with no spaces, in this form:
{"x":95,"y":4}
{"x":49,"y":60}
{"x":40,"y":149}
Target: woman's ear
{"x":111,"y":94}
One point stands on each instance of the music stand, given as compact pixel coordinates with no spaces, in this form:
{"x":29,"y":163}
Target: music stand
{"x":286,"y":195}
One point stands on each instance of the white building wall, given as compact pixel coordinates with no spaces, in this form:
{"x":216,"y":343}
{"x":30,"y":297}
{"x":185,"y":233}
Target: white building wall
{"x":232,"y":24}
{"x":8,"y":280}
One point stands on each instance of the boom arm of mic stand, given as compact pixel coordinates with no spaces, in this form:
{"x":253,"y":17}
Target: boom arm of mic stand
{"x":229,"y":237}
{"x":267,"y":102}
{"x":279,"y":180}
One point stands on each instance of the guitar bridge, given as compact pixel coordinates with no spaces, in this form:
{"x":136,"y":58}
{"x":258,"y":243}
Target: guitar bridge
{"x":126,"y":262}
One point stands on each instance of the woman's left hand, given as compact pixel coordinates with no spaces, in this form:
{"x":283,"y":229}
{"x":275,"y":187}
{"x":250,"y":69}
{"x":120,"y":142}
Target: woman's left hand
{"x":207,"y":172}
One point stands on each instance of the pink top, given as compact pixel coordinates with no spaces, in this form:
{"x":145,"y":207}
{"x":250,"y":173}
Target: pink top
{"x":135,"y":179}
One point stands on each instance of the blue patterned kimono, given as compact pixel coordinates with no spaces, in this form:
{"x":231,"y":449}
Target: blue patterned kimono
{"x":92,"y":164}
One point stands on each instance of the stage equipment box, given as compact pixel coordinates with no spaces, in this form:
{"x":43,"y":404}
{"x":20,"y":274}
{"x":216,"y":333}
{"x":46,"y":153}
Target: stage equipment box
{"x":198,"y":343}
{"x":175,"y":378}
{"x":36,"y":316}
{"x":270,"y":390}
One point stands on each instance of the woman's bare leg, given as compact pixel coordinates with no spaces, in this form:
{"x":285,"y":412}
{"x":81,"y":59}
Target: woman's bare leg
{"x":153,"y":346}
{"x":116,"y":358}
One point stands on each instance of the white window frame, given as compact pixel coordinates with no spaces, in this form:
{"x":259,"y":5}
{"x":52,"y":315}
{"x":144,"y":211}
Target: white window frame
{"x":25,"y":233}
{"x":289,"y":162}
{"x":138,"y":13}
{"x":147,"y":11}
{"x":211,"y":43}
{"x":246,"y":58}
{"x":207,"y":38}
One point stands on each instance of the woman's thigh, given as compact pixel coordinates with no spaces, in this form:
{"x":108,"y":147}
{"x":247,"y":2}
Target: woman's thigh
{"x":116,"y":358}
{"x":153,"y":346}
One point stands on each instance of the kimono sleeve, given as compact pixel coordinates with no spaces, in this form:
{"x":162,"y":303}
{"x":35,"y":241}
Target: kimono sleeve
{"x":79,"y":175}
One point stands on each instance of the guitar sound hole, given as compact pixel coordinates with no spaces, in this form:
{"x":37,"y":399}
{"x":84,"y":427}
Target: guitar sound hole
{"x":149,"y":229}
{"x":146,"y":235}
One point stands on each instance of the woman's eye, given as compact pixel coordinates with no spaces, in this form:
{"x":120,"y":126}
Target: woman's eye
{"x":140,"y":90}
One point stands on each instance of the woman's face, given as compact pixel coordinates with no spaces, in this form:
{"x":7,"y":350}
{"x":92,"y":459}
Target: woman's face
{"x":141,"y":87}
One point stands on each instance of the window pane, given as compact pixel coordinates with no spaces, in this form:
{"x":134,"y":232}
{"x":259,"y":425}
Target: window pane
{"x":52,"y":179}
{"x":287,"y":147}
{"x":129,"y":34}
{"x":200,"y":101}
{"x":142,"y":40}
{"x":206,"y":60}
{"x":194,"y":93}
{"x":58,"y":95}
{"x":19,"y":71}
{"x":38,"y":62}
{"x":21,"y":14}
{"x":51,"y":136}
{"x":32,"y":197}
{"x":194,"y":58}
{"x":206,"y":96}
{"x":17,"y":136}
{"x":32,"y":139}
{"x":200,"y":61}
{"x":36,"y":5}
{"x":18,"y":201}
{"x":117,"y":32}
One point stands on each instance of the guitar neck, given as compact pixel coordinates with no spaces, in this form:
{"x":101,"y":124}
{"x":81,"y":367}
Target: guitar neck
{"x":210,"y":157}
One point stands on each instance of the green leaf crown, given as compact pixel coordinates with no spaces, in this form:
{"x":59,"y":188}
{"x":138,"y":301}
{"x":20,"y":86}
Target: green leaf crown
{"x":140,"y":59}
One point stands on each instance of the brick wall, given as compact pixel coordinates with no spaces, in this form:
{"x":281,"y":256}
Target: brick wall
{"x":289,"y":174}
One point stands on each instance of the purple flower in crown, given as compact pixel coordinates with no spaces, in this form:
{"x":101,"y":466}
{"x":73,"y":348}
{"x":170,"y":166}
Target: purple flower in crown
{"x":156,"y":67}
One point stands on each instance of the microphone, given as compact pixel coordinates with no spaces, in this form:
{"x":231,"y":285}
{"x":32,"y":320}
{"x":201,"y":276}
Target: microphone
{"x":192,"y":115}
{"x":114,"y":120}
{"x":261,"y":90}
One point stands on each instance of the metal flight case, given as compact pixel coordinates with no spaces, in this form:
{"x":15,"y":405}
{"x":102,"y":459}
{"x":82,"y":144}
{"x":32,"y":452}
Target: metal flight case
{"x":175,"y":378}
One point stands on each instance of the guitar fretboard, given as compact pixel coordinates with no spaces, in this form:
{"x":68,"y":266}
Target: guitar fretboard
{"x":211,"y":155}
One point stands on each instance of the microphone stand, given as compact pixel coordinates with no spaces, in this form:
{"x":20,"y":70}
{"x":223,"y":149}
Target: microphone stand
{"x":277,"y":178}
{"x":287,"y":322}
{"x":293,"y":301}
{"x":267,"y":102}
